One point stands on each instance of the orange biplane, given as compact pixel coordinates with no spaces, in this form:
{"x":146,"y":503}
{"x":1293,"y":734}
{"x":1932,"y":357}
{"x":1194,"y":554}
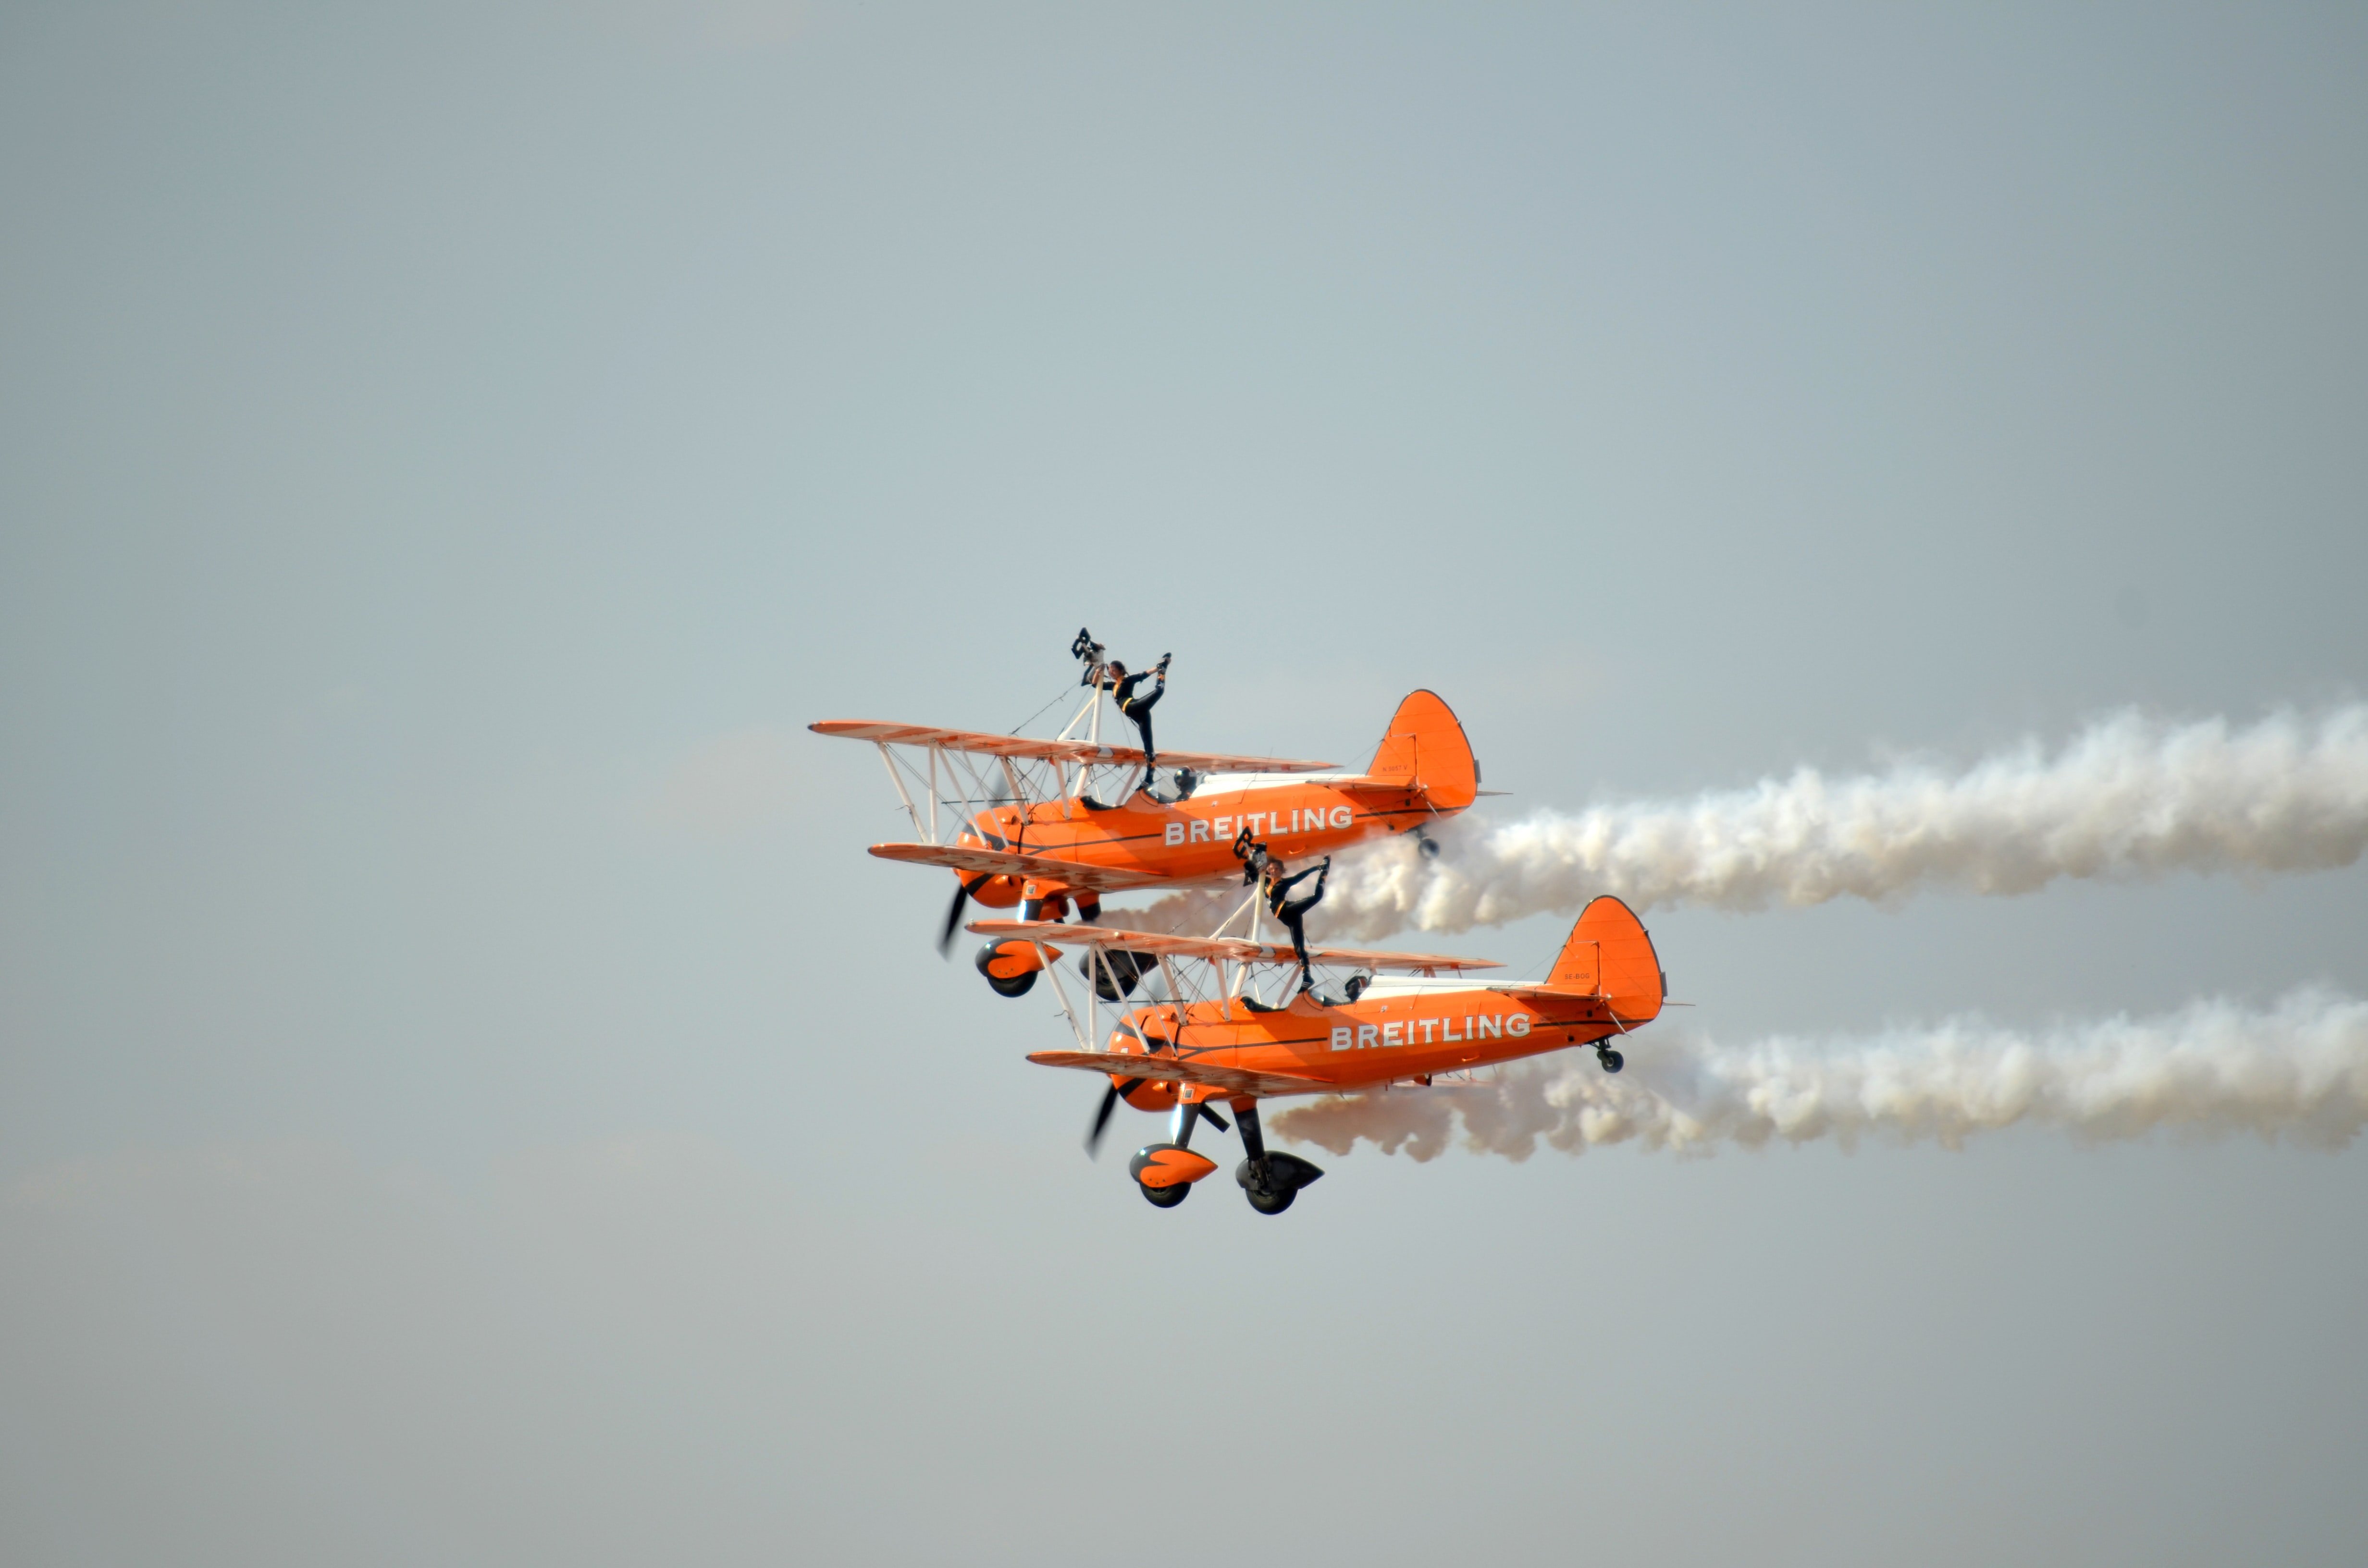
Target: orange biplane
{"x":1046,"y":825}
{"x":1393,"y":1021}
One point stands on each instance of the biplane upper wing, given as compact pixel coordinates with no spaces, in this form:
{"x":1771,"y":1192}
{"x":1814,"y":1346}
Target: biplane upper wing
{"x":1020,"y":747}
{"x":1163,"y":1068}
{"x":1037,"y":867}
{"x":1228,"y":949}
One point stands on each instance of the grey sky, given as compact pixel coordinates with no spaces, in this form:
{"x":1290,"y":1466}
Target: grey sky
{"x":464,"y":1093}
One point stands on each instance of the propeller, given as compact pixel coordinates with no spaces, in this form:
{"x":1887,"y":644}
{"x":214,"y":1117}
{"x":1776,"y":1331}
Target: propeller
{"x":1117,"y":1092}
{"x":954,"y":912}
{"x":1110,"y":1096}
{"x":969,"y":889}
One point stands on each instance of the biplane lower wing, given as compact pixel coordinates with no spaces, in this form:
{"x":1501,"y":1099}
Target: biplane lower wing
{"x":1027,"y":867}
{"x":1020,"y":748}
{"x":1170,"y":1070}
{"x":1224,"y":949}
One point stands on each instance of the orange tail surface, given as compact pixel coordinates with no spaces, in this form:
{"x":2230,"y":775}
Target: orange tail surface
{"x":1611,"y":955}
{"x":1424,"y":746}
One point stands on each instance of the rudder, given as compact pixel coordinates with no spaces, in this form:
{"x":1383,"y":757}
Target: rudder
{"x":1424,"y":746}
{"x":1610,"y":954}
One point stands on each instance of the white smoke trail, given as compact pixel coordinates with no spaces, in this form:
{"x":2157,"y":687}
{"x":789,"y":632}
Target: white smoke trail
{"x":2297,"y":1072}
{"x":2128,"y":798}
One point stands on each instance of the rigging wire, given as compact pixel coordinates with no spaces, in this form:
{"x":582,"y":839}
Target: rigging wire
{"x":1040,"y":712}
{"x":1546,"y":960}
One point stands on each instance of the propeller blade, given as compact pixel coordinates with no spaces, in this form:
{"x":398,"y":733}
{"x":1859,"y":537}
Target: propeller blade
{"x":954,"y":913}
{"x":1110,"y":1096}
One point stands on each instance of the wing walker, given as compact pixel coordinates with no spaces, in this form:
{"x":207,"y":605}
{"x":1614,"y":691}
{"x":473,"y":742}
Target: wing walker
{"x":1050,"y":826}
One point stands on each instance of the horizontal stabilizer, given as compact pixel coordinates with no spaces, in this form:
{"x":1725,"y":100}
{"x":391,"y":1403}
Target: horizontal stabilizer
{"x":1224,"y":949}
{"x":1592,"y":1008}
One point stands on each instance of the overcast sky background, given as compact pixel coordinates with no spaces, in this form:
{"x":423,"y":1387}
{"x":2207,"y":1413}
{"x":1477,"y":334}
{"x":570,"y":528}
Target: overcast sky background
{"x":465,"y":1095}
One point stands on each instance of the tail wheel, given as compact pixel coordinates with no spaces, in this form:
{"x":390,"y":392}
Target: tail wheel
{"x":1169,"y":1197}
{"x":1612,"y":1060}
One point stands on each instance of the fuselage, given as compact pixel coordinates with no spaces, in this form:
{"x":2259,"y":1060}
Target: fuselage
{"x":1192,"y":840}
{"x":1397,"y":1032}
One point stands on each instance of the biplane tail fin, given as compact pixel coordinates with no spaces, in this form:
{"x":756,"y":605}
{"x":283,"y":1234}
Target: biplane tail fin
{"x":1425,"y":748}
{"x":1610,"y":954}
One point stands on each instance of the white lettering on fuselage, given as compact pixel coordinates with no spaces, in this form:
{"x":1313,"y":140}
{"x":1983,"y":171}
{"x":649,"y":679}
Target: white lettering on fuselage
{"x":1368,"y":1037}
{"x":1198,"y":829}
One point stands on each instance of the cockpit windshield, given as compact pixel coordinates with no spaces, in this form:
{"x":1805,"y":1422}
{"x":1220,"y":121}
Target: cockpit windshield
{"x":1177,"y":788}
{"x":1341,"y":996}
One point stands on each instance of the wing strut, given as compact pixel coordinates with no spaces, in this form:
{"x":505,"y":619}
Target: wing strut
{"x":1053,"y":972}
{"x":889,"y":758}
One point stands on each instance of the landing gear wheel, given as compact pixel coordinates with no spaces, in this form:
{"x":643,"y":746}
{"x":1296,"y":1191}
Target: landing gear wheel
{"x":1267,"y":1202}
{"x":1114,"y":978}
{"x":1612,"y":1060}
{"x":1270,"y":1191}
{"x":992,"y":957}
{"x":1169,"y":1197}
